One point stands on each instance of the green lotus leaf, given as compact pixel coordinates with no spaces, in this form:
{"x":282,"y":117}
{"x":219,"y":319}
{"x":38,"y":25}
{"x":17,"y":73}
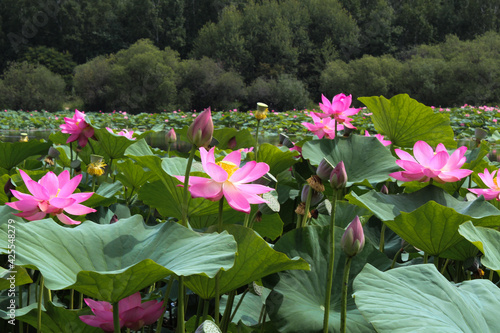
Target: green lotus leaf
{"x":391,"y":300}
{"x":165,"y":193}
{"x":364,"y":157}
{"x":255,"y":260}
{"x":13,"y":153}
{"x":486,"y":240}
{"x":54,"y":319}
{"x":105,"y":195}
{"x":461,"y":251}
{"x":405,"y":121}
{"x":244,"y":138}
{"x":249,"y":310}
{"x":132,"y":175}
{"x":387,"y":207}
{"x":296,"y":301}
{"x":17,"y":274}
{"x":277,"y":159}
{"x":112,"y":261}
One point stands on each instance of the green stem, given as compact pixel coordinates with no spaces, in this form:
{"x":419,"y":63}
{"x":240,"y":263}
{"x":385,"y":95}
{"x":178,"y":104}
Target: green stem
{"x":220,"y":222}
{"x":70,"y":158}
{"x":308,"y":206}
{"x":396,"y":258}
{"x":217,"y":298}
{"x":343,"y":297}
{"x":444,"y":266}
{"x":168,"y":151}
{"x":206,"y":304}
{"x":382,"y":238}
{"x":331,"y":262}
{"x":198,"y":312}
{"x":81,"y":301}
{"x":426,"y":257}
{"x":180,"y":307}
{"x":116,"y":317}
{"x":93,"y":183}
{"x":165,"y":302}
{"x":262,"y":317}
{"x":247,"y":220}
{"x":490,"y":276}
{"x":40,"y":296}
{"x":91,"y":147}
{"x":257,"y":139}
{"x":186,"y":189}
{"x":238,"y":305}
{"x":71,"y":298}
{"x":227,"y":311}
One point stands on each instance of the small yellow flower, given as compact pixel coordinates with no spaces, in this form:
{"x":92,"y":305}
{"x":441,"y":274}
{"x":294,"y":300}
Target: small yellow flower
{"x":96,"y":169}
{"x":24,"y":137}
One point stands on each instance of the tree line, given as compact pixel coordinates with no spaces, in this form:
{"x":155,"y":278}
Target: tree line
{"x":258,"y":47}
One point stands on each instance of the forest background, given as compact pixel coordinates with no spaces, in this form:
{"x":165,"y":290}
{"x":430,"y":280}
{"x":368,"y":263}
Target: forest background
{"x":163,"y":55}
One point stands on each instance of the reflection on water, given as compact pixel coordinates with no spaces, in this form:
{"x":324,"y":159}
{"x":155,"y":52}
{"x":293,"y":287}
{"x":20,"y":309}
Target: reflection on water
{"x":157,"y":140}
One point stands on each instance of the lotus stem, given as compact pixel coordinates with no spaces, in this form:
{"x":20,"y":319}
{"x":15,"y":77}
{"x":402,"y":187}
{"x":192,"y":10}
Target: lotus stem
{"x":396,"y":257}
{"x":490,"y":276}
{"x":186,"y":185}
{"x":220,"y":221}
{"x":306,"y":210}
{"x":382,"y":237}
{"x":165,"y":302}
{"x":227,"y":311}
{"x":40,"y":296}
{"x":331,"y":262}
{"x":198,"y":312}
{"x":71,"y":298}
{"x":206,"y":303}
{"x":343,"y":297}
{"x":180,"y":307}
{"x":444,"y":266}
{"x":257,"y":139}
{"x":116,"y":317}
{"x":426,"y":257}
{"x":217,"y":298}
{"x":238,"y":305}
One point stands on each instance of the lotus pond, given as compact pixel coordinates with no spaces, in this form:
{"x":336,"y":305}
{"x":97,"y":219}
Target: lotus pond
{"x":251,"y":222}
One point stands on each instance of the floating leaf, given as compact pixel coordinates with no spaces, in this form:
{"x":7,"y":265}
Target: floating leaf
{"x":405,"y":121}
{"x":375,"y":163}
{"x":391,"y":300}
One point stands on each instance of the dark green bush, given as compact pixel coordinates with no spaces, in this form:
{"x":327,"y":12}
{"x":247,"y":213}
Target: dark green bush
{"x":31,"y":87}
{"x":92,"y":81}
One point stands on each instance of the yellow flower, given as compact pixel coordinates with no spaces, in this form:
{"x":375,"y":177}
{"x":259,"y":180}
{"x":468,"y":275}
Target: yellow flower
{"x":96,"y":169}
{"x":24,"y":137}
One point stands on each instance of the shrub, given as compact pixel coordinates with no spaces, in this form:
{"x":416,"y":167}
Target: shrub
{"x":92,"y":81}
{"x":31,"y":87}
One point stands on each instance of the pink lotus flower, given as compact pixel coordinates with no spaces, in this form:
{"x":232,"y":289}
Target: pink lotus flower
{"x":380,"y":138}
{"x":132,"y":313}
{"x":323,"y":126}
{"x":489,"y":179}
{"x":78,"y":129}
{"x":51,"y":195}
{"x":339,"y":108}
{"x":229,"y":180}
{"x":428,"y":164}
{"x":124,"y":132}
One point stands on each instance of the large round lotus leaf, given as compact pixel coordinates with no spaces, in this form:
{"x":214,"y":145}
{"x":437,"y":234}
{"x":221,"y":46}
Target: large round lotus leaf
{"x":364,"y":157}
{"x":255,"y":260}
{"x":486,"y":240}
{"x":13,"y":153}
{"x":419,"y":299}
{"x":54,"y":319}
{"x":278,"y":159}
{"x":112,"y":261}
{"x":297,"y":298}
{"x":387,"y":207}
{"x":18,"y":275}
{"x":405,"y":121}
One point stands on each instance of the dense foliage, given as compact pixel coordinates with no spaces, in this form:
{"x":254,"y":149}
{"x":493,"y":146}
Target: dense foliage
{"x":306,"y":46}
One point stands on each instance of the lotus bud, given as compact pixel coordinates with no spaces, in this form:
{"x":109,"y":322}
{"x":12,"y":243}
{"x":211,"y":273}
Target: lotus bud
{"x":170,"y":137}
{"x":261,"y":112}
{"x":324,"y":169}
{"x":353,"y":239}
{"x":201,"y":130}
{"x":338,"y":177}
{"x":231,"y":144}
{"x":316,"y":197}
{"x":7,"y":189}
{"x":384,"y":190}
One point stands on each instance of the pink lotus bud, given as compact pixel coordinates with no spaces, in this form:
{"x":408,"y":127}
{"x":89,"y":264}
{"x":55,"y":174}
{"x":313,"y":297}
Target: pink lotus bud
{"x":338,"y":177}
{"x":324,"y":170}
{"x":231,"y":144}
{"x":8,"y":189}
{"x":170,"y":137}
{"x":353,"y":239}
{"x":384,"y":190}
{"x":201,"y":130}
{"x":316,"y":197}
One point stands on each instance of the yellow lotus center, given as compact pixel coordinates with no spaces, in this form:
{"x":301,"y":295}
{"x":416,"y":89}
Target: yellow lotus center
{"x":58,"y":190}
{"x":229,"y":167}
{"x":495,"y":180}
